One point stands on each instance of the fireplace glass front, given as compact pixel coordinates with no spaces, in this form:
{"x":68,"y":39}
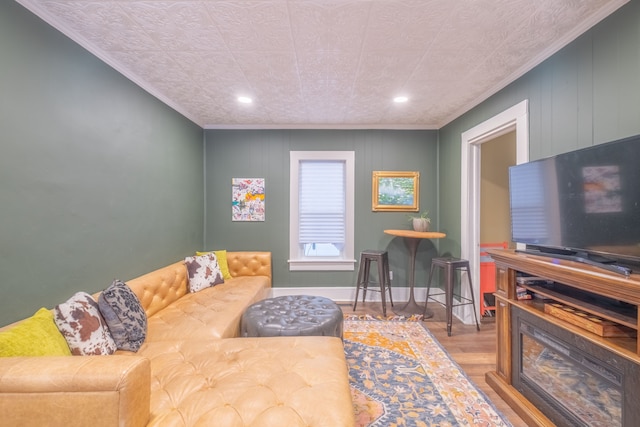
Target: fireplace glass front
{"x":573,"y":382}
{"x":593,"y":396}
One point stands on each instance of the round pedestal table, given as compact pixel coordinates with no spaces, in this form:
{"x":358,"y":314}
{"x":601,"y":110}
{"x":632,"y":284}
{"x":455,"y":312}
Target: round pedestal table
{"x":412,"y":239}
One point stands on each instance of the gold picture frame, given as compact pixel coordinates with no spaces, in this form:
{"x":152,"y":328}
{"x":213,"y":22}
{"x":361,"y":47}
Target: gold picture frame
{"x":394,"y":191}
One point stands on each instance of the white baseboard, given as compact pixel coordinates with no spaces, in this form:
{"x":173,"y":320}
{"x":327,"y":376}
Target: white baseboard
{"x":343,"y":294}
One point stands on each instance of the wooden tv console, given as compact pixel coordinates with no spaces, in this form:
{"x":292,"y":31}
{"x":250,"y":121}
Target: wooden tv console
{"x":572,"y":276}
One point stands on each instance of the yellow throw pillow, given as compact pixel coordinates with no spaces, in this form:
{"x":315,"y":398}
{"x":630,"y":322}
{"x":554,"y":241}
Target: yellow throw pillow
{"x":222,"y":261}
{"x":35,"y":336}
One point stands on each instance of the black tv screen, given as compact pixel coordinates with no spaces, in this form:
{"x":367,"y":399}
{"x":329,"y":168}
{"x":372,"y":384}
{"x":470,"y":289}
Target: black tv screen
{"x":584,"y":203}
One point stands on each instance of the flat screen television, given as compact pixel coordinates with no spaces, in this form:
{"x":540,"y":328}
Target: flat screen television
{"x":583,"y":205}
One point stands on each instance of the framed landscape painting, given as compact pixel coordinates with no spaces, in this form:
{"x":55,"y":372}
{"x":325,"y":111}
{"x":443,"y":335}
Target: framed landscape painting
{"x":395,"y":191}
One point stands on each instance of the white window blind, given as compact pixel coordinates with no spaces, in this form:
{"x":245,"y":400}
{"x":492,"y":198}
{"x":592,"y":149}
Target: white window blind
{"x":322,"y":201}
{"x":528,"y":204}
{"x":322,"y":211}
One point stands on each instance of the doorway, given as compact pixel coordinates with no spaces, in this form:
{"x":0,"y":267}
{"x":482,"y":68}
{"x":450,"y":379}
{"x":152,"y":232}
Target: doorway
{"x":514,"y":119}
{"x":496,"y":155}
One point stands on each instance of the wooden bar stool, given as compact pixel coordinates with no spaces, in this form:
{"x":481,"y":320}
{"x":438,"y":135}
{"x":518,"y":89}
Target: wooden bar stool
{"x":450,"y":266}
{"x":384,"y":279}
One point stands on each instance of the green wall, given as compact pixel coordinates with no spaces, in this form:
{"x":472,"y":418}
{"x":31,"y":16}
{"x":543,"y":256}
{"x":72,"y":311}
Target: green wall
{"x":265,"y":154}
{"x":98,"y":179}
{"x":586,"y":94}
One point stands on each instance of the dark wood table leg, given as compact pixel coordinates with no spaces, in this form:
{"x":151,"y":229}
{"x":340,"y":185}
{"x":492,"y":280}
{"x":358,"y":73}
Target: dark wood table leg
{"x":412,"y":307}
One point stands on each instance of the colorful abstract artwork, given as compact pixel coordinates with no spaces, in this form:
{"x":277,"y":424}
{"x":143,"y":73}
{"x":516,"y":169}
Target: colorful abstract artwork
{"x":247,"y":202}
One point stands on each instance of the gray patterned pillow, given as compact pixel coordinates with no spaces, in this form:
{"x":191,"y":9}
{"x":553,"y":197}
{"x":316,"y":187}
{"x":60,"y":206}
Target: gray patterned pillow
{"x":80,"y":322}
{"x":124,"y":315}
{"x":204,"y":271}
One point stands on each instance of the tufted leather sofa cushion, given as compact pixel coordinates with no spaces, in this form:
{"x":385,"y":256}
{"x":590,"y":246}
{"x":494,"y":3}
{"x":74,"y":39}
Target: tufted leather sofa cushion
{"x":276,"y":381}
{"x":249,"y":263}
{"x":210,"y":313}
{"x":162,"y":287}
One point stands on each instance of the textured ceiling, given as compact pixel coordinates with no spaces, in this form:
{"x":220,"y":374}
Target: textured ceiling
{"x":323,"y":63}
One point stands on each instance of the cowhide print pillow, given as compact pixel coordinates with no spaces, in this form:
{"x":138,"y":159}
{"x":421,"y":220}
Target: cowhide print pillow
{"x":80,"y":322}
{"x":204,"y":271}
{"x":124,"y":315}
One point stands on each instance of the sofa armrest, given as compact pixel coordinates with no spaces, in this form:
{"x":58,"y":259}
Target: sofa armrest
{"x":250,"y":263}
{"x":75,"y":391}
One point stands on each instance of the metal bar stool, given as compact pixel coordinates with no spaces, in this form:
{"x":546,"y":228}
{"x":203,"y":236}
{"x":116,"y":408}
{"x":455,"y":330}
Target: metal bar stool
{"x":450,"y":266}
{"x":384,"y":279}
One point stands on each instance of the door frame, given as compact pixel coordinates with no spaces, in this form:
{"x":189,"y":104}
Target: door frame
{"x":515,"y":118}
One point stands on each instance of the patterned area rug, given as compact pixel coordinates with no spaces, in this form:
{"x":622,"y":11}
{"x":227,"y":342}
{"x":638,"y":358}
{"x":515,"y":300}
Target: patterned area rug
{"x":401,"y":376}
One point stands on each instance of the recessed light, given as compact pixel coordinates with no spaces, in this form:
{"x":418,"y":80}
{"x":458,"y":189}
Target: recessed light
{"x":245,"y":100}
{"x":400,"y":99}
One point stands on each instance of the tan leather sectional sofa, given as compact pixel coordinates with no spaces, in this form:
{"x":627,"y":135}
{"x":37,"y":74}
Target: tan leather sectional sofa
{"x":192,"y":370}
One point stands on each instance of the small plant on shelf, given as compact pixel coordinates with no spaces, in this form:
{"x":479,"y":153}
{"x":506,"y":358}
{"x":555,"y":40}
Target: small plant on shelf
{"x":420,"y":222}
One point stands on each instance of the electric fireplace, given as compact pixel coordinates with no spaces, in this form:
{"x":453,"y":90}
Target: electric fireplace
{"x":572,"y":380}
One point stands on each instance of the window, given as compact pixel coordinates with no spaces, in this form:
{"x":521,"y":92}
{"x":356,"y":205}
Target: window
{"x":321,"y":214}
{"x":529,"y":203}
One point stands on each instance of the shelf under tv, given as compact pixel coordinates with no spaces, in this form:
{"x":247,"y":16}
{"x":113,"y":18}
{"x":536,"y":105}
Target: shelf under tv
{"x":624,"y":314}
{"x":581,"y":257}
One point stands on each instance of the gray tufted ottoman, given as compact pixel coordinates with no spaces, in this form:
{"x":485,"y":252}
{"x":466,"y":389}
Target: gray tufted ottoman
{"x":293,"y":315}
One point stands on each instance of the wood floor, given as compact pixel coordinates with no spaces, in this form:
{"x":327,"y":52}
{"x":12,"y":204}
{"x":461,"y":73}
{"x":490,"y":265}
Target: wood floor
{"x":474,"y":351}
